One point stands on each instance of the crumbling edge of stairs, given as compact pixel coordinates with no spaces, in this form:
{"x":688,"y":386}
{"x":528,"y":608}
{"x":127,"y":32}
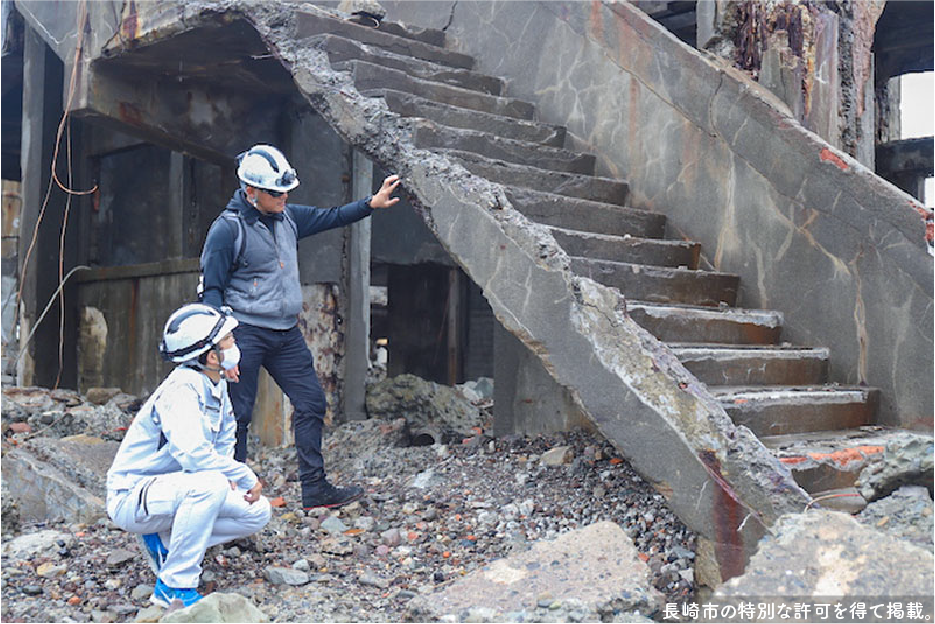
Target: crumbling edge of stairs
{"x":718,"y":478}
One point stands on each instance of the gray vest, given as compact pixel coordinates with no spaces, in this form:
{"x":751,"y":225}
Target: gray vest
{"x":264,"y":289}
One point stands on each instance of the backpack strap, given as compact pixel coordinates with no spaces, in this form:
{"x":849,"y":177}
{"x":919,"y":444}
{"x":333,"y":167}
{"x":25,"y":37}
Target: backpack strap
{"x":240,"y":237}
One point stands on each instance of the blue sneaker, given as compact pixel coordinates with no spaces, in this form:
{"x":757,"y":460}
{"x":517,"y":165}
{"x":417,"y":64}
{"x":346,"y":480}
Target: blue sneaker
{"x":154,"y":550}
{"x":163,"y":595}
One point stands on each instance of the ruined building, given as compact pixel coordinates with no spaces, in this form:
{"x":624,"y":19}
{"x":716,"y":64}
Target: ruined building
{"x":659,"y":219}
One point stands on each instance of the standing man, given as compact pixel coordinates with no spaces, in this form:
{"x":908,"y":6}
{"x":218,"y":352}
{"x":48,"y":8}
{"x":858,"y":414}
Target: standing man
{"x":250,"y":263}
{"x":174,"y":480}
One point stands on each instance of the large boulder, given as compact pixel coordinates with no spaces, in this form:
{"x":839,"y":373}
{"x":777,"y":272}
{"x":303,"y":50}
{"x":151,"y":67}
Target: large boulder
{"x":817,"y":556}
{"x":435,"y":413}
{"x":909,"y":459}
{"x":217,"y":607}
{"x":589,"y":574}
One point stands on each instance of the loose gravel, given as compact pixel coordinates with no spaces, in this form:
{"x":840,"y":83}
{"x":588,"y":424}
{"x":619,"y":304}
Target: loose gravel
{"x":431,"y":514}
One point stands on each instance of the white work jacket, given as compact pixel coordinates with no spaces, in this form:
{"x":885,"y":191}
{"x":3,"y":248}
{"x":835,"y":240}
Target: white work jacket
{"x":187,"y":425}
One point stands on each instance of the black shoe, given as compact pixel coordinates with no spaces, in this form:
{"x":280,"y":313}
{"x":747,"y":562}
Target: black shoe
{"x":323,"y":494}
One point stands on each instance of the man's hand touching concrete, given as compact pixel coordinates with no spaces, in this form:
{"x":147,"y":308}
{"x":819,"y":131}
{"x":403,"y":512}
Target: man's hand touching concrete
{"x":383,"y":197}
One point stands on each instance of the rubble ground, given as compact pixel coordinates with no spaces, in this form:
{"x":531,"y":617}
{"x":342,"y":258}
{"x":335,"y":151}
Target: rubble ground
{"x":431,"y":515}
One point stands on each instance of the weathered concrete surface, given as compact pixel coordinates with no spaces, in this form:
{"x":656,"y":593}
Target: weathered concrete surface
{"x":218,"y":607}
{"x":59,"y":477}
{"x":590,"y":571}
{"x":909,"y":459}
{"x":435,"y":413}
{"x":823,"y":554}
{"x":800,"y":223}
{"x":43,"y":542}
{"x":906,"y":513}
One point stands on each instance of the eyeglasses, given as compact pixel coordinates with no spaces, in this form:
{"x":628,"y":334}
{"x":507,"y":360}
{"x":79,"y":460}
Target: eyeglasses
{"x":274,"y":193}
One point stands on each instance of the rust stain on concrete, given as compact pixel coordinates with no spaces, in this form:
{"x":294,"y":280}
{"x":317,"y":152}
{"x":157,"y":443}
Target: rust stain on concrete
{"x":827,"y":155}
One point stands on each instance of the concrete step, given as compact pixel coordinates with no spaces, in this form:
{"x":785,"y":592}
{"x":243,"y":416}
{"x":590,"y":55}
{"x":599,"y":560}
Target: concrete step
{"x":431,"y":36}
{"x":429,"y":134}
{"x":409,"y":105}
{"x":775,"y":410}
{"x":341,"y":49}
{"x":829,"y":460}
{"x":660,"y":284}
{"x":628,"y":248}
{"x":368,"y":76}
{"x":679,"y":323}
{"x":753,"y":365}
{"x":570,"y":184}
{"x":310,"y":23}
{"x":584,"y":215}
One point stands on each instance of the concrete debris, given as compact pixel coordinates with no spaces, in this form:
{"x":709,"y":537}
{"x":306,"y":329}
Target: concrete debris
{"x":61,"y":413}
{"x":100,"y":396}
{"x":586,"y":574}
{"x":557,"y":456}
{"x":906,"y":513}
{"x":9,"y":511}
{"x":435,"y":413}
{"x":827,"y":553}
{"x":43,"y":543}
{"x":368,"y":7}
{"x":909,"y":459}
{"x":218,"y":607}
{"x":286,"y":576}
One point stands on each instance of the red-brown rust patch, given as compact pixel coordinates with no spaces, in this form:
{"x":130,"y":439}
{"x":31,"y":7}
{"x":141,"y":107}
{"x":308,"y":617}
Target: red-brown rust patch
{"x":827,"y":154}
{"x":792,"y":460}
{"x":130,"y":114}
{"x":597,"y":20}
{"x":728,"y":515}
{"x":845,"y":456}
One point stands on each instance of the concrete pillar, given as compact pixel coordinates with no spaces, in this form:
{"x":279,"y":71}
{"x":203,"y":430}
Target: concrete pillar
{"x":526,"y":399}
{"x":357,"y":334}
{"x":42,"y":109}
{"x":178,"y":194}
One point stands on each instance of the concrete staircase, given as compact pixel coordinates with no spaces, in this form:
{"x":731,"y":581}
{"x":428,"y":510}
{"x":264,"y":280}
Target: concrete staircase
{"x":780,"y":392}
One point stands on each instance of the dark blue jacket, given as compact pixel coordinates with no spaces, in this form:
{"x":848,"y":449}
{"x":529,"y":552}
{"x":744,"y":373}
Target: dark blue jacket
{"x":262,"y":284}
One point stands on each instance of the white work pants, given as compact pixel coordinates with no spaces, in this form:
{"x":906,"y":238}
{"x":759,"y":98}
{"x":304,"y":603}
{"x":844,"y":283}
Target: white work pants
{"x":191,"y":512}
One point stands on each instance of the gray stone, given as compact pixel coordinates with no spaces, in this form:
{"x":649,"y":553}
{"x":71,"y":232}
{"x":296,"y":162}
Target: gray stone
{"x":373,"y":580}
{"x":907,"y":513}
{"x":285,"y":576}
{"x":100,"y":396}
{"x":120,"y":557}
{"x":908,"y":459}
{"x":557,"y":456}
{"x":152,"y":613}
{"x":597,"y":565}
{"x":218,"y":607}
{"x":41,"y":543}
{"x":333,"y":525}
{"x":303,"y":565}
{"x":391,"y":537}
{"x":337,"y":546}
{"x":828,"y":553}
{"x":365,"y":523}
{"x":142,"y":592}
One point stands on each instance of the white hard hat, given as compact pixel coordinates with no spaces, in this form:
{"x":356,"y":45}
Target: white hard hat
{"x":194,"y":329}
{"x":264,"y":167}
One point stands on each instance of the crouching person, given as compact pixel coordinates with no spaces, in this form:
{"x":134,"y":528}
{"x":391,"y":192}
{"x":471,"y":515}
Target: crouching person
{"x":174,"y":481}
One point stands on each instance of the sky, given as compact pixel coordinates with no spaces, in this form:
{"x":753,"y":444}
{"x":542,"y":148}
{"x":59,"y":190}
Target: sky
{"x":917,"y":115}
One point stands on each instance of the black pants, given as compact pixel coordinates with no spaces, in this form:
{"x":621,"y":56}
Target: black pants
{"x":289,"y":362}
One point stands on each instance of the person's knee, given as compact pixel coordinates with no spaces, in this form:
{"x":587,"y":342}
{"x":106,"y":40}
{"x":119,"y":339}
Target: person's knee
{"x":258,"y":514}
{"x":210,"y":483}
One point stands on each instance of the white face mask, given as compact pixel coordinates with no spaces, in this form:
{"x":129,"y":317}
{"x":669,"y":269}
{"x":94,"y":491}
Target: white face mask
{"x":230,"y":357}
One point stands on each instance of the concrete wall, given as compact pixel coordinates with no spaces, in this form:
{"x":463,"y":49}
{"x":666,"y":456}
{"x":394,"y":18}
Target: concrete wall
{"x":814,"y":234}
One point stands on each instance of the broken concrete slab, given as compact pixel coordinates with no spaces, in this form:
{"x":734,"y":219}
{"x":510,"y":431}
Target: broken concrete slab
{"x":906,"y":513}
{"x":45,"y":543}
{"x":435,"y":413}
{"x":909,"y":459}
{"x":592,"y":572}
{"x":53,"y":478}
{"x":816,"y":555}
{"x":218,"y":607}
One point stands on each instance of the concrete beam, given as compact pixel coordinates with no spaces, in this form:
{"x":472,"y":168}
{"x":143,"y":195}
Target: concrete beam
{"x":357,"y":336}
